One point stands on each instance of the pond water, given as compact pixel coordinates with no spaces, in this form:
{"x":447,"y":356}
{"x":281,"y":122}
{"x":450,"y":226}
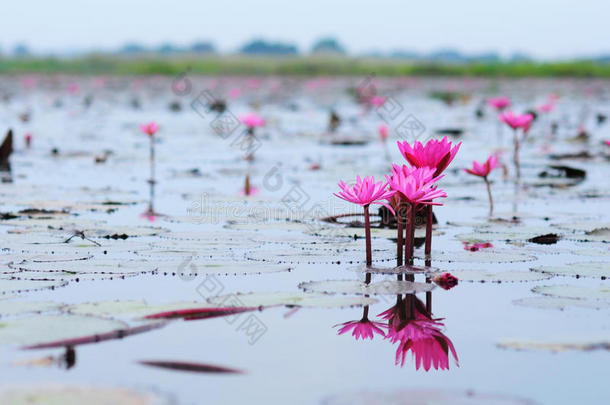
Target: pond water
{"x":529,"y":321}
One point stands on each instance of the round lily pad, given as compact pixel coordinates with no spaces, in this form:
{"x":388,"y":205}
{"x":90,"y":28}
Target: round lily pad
{"x":574,"y":291}
{"x":580,"y":269}
{"x":49,"y":328}
{"x":12,"y":286}
{"x":192,"y":267}
{"x":405,"y":269}
{"x":127,"y":309}
{"x":560,"y":303}
{"x":298,"y":299}
{"x":18,"y":307}
{"x":93,"y":266}
{"x":480,"y":256}
{"x":386,"y":287}
{"x":555,"y":347}
{"x":501,"y":277}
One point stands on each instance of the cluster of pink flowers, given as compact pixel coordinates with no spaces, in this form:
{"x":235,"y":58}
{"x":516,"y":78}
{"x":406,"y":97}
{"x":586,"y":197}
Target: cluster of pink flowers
{"x":415,"y":184}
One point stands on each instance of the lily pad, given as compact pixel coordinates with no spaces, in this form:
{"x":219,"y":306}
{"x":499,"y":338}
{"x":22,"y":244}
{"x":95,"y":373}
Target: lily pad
{"x":501,"y":277}
{"x":580,"y":269}
{"x":126,"y":309}
{"x":405,"y":269}
{"x":290,"y":299}
{"x":574,"y":291}
{"x":386,"y":287}
{"x":47,"y":328}
{"x":481,"y":256}
{"x":188,"y":267}
{"x":560,"y":303}
{"x":93,"y":266}
{"x":12,"y":286}
{"x":18,"y":307}
{"x":555,"y":347}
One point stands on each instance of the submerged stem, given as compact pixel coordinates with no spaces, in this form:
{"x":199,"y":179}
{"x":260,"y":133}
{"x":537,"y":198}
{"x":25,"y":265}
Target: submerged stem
{"x":399,"y":237}
{"x":491,"y":201}
{"x":367,"y":232}
{"x":516,"y":153}
{"x":429,"y":217}
{"x":409,"y":239}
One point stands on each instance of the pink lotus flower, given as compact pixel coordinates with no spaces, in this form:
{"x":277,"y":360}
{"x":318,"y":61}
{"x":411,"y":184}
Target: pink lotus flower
{"x":150,"y":129}
{"x":436,"y":154}
{"x":517,"y":120}
{"x":483,"y":170}
{"x":415,"y":184}
{"x":363,"y":329}
{"x":377,"y":101}
{"x":499,"y":103}
{"x":365,"y":192}
{"x":429,"y":346}
{"x":252,"y":120}
{"x":446,"y":281}
{"x":383,"y":132}
{"x":607,"y":142}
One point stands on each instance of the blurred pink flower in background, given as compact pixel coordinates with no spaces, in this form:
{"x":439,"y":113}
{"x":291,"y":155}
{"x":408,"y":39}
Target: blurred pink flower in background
{"x":252,"y":120}
{"x":483,"y":170}
{"x":383,"y":132}
{"x":499,"y":103}
{"x":73,"y":88}
{"x":150,"y":129}
{"x":517,"y":120}
{"x":377,"y":101}
{"x":234,"y":93}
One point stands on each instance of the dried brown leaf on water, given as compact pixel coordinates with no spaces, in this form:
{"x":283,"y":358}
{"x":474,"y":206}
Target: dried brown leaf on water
{"x":190,"y":367}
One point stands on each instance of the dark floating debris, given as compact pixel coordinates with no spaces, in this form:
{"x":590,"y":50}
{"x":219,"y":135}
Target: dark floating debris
{"x":188,"y":366}
{"x":218,"y":106}
{"x":175,"y":106}
{"x":563,"y":172}
{"x":548,"y":239}
{"x":583,"y":155}
{"x":456,"y":132}
{"x":117,"y":236}
{"x":333,"y":122}
{"x":5,"y":153}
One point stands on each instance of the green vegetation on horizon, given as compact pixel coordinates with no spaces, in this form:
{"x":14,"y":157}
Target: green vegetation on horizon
{"x":305,"y":66}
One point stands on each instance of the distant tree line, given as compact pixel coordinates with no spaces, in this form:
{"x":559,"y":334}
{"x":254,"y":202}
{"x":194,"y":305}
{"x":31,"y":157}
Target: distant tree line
{"x":324,"y":46}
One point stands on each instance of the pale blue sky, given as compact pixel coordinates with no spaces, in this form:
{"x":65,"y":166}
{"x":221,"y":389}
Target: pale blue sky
{"x":543,"y":28}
